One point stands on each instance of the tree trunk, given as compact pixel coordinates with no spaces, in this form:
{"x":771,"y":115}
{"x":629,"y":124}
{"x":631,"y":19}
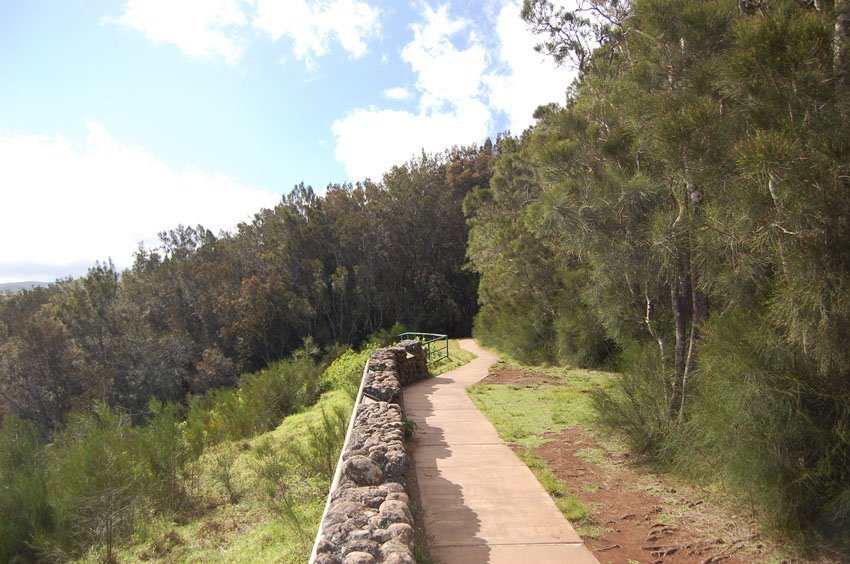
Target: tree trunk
{"x":678,"y":298}
{"x":841,"y":11}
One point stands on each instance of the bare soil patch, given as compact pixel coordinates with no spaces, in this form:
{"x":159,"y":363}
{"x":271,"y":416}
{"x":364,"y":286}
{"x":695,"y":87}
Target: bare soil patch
{"x":642,"y":516}
{"x":520,"y":377}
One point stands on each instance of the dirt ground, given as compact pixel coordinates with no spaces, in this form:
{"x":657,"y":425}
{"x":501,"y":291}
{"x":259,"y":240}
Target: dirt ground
{"x":639,"y":515}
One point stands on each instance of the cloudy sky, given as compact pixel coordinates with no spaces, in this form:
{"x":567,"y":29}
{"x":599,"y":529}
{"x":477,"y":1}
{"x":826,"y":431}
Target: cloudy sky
{"x":123,"y":118}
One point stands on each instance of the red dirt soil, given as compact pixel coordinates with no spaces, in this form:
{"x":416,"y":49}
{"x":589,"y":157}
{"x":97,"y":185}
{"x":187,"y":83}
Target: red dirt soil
{"x":643,"y":517}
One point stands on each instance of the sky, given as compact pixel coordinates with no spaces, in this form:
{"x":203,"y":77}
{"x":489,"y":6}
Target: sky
{"x":120,"y":119}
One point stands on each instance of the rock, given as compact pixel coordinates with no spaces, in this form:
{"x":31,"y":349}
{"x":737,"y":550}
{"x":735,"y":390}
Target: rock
{"x":361,"y":545}
{"x":362,"y":471}
{"x":399,"y":496}
{"x":399,"y":558}
{"x":359,"y":558}
{"x":401,"y":532}
{"x":396,"y":551}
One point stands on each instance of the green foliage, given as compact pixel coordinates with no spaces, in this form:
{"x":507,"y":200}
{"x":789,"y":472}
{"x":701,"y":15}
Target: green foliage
{"x":386,"y":337}
{"x":25,"y":509}
{"x":687,"y":212}
{"x":164,"y":454}
{"x":637,"y":403}
{"x":295,"y":467}
{"x":94,"y":484}
{"x":318,"y":455}
{"x":345,"y":372}
{"x":260,"y":402}
{"x":788,"y":446}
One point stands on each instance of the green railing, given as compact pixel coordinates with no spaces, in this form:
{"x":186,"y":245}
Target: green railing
{"x":436,"y":346}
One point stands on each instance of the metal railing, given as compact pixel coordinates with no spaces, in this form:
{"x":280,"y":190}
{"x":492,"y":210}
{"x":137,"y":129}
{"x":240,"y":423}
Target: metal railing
{"x":436,"y":345}
{"x":338,"y":471}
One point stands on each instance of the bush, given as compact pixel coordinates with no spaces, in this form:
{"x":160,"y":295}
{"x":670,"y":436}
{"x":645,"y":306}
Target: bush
{"x":94,"y":483}
{"x":260,"y":402}
{"x":636,"y":403}
{"x":766,"y":422}
{"x":24,"y":502}
{"x":163,"y":454}
{"x":345,"y":372}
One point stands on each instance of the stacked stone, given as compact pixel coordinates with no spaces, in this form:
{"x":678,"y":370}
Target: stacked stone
{"x":414,"y":366}
{"x":368,"y":525}
{"x":375,"y":452}
{"x":381,"y":380}
{"x":368,"y":519}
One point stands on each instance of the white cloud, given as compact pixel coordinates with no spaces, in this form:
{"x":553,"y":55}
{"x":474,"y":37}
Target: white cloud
{"x":462,"y":83}
{"x":199,"y":28}
{"x":531,"y":78}
{"x":451,"y":111}
{"x":370,"y":141}
{"x":445,"y":74}
{"x":312,"y":25}
{"x":65,"y":203}
{"x":397,"y":93}
{"x":206,"y":28}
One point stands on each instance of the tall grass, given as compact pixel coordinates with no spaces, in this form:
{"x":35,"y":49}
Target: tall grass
{"x":759,"y":417}
{"x":102,"y":476}
{"x":24,"y":498}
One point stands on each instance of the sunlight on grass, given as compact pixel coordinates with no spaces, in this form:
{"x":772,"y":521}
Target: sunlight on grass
{"x":457,"y":357}
{"x":218,"y":530}
{"x":522,"y":415}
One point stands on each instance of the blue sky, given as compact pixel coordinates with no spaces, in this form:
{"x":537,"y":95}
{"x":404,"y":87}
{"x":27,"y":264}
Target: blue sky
{"x":123,"y":118}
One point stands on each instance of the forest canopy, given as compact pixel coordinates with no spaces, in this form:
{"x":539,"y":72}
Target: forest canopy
{"x":686,"y":218}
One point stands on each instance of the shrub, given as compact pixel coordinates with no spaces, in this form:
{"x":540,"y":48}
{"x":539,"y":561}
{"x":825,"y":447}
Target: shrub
{"x":94,"y":483}
{"x":24,"y":503}
{"x":163,"y":454}
{"x":765,"y":421}
{"x":345,"y":372}
{"x":636,"y":403}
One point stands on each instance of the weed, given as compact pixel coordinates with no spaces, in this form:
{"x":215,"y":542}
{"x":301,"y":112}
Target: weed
{"x":410,"y":428}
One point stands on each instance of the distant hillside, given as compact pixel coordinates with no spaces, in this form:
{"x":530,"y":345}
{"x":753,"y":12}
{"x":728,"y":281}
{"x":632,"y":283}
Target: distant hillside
{"x":15,"y":287}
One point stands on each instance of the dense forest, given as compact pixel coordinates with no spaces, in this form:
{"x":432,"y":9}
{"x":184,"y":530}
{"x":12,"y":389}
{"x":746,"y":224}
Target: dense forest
{"x":197,"y":311}
{"x":683,"y":218}
{"x":686,"y":216}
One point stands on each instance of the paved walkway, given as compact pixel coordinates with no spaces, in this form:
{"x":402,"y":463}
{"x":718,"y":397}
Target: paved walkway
{"x":481,"y":502}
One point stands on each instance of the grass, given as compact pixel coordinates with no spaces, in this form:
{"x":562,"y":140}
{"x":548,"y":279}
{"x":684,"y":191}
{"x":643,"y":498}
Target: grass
{"x":524,"y":415}
{"x":218,"y":530}
{"x":457,"y":357}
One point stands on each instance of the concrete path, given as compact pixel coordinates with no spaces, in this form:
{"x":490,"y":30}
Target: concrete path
{"x":480,"y":501}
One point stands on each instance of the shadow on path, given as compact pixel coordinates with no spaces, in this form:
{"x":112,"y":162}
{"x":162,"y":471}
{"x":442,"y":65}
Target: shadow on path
{"x":480,"y":502}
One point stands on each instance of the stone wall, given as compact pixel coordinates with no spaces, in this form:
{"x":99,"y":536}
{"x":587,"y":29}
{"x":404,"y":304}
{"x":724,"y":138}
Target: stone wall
{"x":368,"y":518}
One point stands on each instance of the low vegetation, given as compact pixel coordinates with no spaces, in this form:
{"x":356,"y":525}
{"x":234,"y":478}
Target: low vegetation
{"x":220,"y":478}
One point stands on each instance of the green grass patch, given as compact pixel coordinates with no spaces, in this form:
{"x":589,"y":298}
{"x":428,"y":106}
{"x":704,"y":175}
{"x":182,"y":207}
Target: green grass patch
{"x":457,"y":358}
{"x":522,"y":415}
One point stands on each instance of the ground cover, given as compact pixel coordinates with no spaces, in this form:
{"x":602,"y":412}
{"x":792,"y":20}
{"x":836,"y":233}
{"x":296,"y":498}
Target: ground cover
{"x":238,"y":514}
{"x":624,"y":509}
